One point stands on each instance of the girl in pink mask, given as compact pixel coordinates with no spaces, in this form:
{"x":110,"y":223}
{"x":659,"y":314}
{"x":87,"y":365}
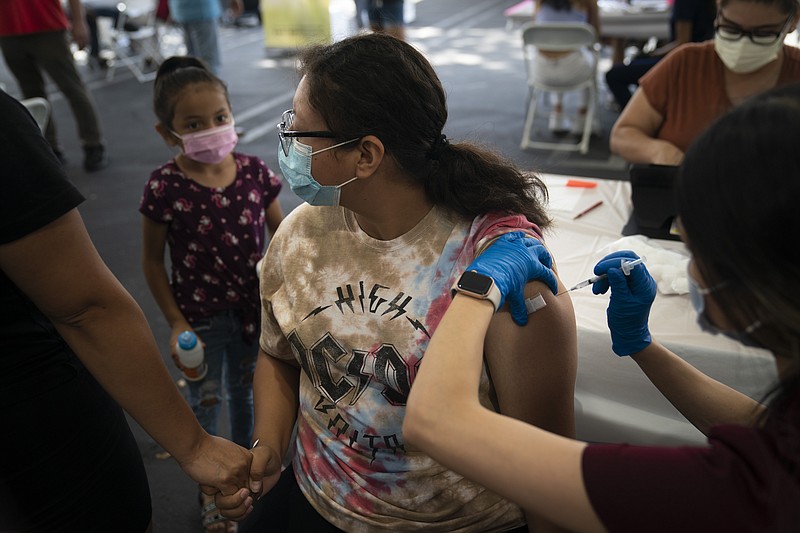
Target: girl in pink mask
{"x":211,"y":205}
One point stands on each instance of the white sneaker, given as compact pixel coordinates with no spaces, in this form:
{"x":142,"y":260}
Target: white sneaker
{"x":580,"y":121}
{"x":558,"y":122}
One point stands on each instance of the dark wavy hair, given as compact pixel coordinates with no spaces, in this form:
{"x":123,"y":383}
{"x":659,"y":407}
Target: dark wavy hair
{"x":788,"y":7}
{"x":378,"y":85}
{"x":737,"y":194}
{"x":173,"y":76}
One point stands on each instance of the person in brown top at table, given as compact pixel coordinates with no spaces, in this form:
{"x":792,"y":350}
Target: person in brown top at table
{"x":686,"y":91}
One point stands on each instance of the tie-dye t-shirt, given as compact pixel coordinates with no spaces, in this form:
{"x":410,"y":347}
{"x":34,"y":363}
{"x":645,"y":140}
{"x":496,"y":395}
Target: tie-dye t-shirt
{"x":215,"y":237}
{"x":357,"y":313}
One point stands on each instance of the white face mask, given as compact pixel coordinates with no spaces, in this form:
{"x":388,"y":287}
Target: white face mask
{"x":744,"y":56}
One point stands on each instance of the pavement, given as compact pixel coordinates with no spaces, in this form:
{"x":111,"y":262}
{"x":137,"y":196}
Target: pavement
{"x":479,"y":62}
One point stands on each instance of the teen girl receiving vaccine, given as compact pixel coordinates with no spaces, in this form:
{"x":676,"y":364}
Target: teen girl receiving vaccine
{"x":211,"y":206}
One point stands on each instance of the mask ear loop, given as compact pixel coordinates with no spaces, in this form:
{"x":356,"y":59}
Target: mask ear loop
{"x":354,"y":178}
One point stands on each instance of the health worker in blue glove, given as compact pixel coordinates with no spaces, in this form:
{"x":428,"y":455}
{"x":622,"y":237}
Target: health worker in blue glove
{"x":736,"y":193}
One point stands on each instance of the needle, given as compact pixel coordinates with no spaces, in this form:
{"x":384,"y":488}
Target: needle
{"x":626,"y":267}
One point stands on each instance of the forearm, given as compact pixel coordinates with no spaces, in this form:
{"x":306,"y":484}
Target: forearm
{"x":538,"y":470}
{"x":704,"y":401}
{"x":276,"y":386}
{"x":156,"y":276}
{"x":76,"y":11}
{"x":114,"y":341}
{"x":634,"y":145}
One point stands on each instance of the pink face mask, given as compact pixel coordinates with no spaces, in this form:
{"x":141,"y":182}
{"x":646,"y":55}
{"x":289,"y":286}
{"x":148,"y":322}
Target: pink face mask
{"x":209,"y":146}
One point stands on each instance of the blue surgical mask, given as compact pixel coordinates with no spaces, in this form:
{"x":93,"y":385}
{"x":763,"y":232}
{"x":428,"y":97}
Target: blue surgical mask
{"x":296,"y":168}
{"x":697,"y":295}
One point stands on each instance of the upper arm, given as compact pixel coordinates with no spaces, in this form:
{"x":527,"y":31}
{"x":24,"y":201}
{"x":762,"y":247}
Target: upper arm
{"x":59,"y":269}
{"x":274,"y":216}
{"x":533,"y":367}
{"x":154,"y":240}
{"x":683,"y":31}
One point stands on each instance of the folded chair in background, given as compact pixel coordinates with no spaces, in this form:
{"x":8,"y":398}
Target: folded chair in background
{"x":559,"y":37}
{"x":138,"y":49}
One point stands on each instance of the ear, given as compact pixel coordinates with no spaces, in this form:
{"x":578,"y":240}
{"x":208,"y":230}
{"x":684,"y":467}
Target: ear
{"x":371,"y":154}
{"x":167,"y":135}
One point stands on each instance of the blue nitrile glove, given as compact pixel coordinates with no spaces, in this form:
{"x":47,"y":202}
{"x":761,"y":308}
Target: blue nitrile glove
{"x":629,"y":307}
{"x":511,"y":261}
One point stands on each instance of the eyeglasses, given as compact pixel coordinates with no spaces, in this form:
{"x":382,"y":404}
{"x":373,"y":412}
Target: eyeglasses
{"x":286,"y":134}
{"x":733,"y":32}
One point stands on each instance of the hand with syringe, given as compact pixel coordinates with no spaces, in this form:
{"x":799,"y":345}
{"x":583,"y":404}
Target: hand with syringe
{"x":632,"y":293}
{"x":515,"y":259}
{"x":625,"y":265}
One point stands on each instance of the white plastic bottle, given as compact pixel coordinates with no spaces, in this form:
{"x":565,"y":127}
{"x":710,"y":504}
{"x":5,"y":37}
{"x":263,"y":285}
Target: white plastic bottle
{"x":190,"y":354}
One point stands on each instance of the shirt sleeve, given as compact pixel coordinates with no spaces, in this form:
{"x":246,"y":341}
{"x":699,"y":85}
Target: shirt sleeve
{"x":658,"y":81}
{"x":272,"y":183}
{"x":737,"y":483}
{"x":36,"y":190}
{"x":155,"y":203}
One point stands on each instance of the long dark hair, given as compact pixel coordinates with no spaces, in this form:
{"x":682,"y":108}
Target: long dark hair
{"x":737,"y":195}
{"x":376,"y":84}
{"x":173,"y":76}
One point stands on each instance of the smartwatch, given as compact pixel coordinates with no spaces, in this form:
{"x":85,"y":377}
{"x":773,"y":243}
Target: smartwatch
{"x":478,"y":286}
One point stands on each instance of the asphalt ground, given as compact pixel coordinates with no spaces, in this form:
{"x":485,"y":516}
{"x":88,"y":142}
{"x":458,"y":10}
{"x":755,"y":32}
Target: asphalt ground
{"x":479,"y":62}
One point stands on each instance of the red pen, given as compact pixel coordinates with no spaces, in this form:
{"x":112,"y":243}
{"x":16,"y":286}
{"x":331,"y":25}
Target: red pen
{"x":590,"y":208}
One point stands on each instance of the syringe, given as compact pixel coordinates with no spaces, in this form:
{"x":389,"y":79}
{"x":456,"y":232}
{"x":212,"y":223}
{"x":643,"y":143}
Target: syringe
{"x":626,"y":267}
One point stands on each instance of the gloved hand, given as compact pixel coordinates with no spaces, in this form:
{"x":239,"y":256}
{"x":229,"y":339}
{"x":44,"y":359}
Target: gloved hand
{"x":631,"y":297}
{"x":511,"y":261}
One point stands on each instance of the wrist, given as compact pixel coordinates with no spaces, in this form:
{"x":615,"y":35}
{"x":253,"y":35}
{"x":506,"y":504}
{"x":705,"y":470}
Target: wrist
{"x":479,"y":286}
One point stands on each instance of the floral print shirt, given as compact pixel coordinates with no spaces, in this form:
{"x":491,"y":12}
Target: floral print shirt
{"x":215,"y":237}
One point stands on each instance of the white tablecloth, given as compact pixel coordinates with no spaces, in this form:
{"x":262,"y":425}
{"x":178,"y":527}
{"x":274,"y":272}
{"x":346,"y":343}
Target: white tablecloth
{"x":615,"y":402}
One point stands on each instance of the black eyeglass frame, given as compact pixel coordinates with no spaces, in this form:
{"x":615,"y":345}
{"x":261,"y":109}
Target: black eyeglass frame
{"x":284,"y":134}
{"x":736,"y":32}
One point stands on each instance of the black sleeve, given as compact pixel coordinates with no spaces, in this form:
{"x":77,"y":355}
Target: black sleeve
{"x":36,"y":191}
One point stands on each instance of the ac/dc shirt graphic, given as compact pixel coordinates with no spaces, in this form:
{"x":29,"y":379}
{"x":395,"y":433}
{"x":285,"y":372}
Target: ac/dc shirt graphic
{"x":357,"y":313}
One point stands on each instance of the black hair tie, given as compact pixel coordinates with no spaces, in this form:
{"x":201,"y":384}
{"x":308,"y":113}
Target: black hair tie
{"x":436,"y":148}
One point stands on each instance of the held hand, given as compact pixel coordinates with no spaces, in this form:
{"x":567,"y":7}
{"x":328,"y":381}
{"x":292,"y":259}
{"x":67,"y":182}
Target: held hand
{"x":512,"y":261}
{"x":629,"y":307}
{"x":265,"y":470}
{"x":218,"y":463}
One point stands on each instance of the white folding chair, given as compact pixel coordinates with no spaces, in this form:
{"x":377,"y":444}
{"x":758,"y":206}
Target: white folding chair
{"x":559,"y":37}
{"x":39,"y":108}
{"x":132,"y":49}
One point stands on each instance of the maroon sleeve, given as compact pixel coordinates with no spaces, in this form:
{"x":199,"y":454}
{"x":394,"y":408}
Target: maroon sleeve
{"x":738,"y":483}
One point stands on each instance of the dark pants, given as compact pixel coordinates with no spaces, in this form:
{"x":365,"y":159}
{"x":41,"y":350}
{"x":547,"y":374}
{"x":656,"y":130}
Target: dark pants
{"x":620,"y":77}
{"x":284,"y":509}
{"x":27,"y":56}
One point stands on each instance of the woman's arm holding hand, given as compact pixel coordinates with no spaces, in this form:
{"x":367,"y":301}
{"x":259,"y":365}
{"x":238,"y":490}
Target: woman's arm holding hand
{"x":538,"y":470}
{"x":276,"y":390}
{"x":633,"y":136}
{"x":59,"y":269}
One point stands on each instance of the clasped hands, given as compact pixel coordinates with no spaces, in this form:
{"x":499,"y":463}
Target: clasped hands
{"x":265,"y":470}
{"x":514,"y":259}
